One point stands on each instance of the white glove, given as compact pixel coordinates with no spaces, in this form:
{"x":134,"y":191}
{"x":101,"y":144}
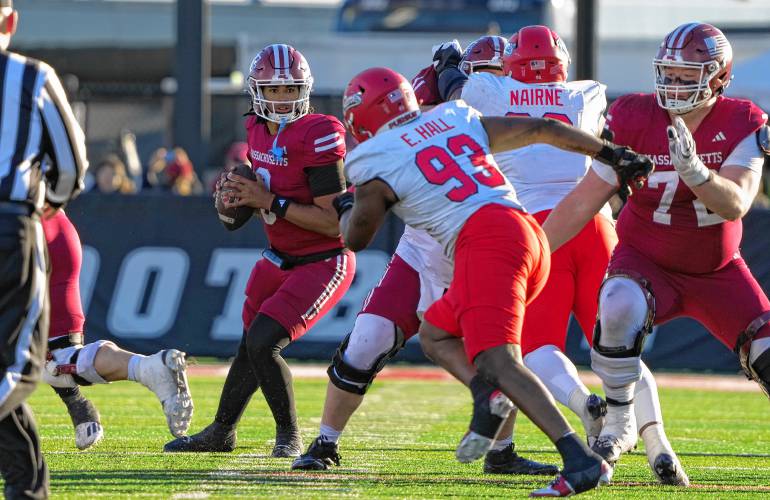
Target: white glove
{"x":681,"y":147}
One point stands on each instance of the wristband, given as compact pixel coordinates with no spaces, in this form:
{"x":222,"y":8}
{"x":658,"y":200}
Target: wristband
{"x":280,"y":205}
{"x":343,"y":203}
{"x":607,"y":153}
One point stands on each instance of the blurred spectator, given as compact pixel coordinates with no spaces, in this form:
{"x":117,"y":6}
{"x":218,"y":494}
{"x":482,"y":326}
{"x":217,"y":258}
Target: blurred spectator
{"x":111,"y":177}
{"x":155,"y":167}
{"x":180,"y":173}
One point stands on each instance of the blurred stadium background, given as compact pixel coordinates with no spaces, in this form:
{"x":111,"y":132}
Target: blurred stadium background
{"x":159,"y":270}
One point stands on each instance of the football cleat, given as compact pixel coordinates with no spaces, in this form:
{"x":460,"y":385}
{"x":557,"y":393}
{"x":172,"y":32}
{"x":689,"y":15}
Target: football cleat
{"x":570,"y":483}
{"x":85,"y":418}
{"x":507,"y":461}
{"x":320,"y":455}
{"x":287,"y":445}
{"x":618,"y":435}
{"x":490,"y":409}
{"x":88,"y":434}
{"x":668,"y":470}
{"x":215,"y":437}
{"x":593,"y":417}
{"x":165,"y":374}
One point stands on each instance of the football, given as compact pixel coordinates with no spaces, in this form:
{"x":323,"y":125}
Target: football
{"x":234,"y":217}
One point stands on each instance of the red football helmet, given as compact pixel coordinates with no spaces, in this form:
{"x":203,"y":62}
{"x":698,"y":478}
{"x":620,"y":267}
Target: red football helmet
{"x":484,"y":53}
{"x":378,"y":99}
{"x":705,"y":52}
{"x":536,"y":54}
{"x":280,"y":64}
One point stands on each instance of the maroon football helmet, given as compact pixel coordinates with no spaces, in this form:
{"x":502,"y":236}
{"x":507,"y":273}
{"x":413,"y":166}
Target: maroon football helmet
{"x":378,"y":99}
{"x":536,"y":54}
{"x":280,"y":64}
{"x":705,"y":52}
{"x":484,"y":53}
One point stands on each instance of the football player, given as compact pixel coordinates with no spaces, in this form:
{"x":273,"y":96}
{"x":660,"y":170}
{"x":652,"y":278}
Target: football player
{"x":417,"y":275}
{"x":436,"y":172}
{"x":298,"y":158}
{"x":534,"y":83}
{"x":71,"y":364}
{"x":678,"y":253}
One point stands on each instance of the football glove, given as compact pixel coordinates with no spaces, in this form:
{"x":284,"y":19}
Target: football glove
{"x":631,"y":168}
{"x":681,"y":146}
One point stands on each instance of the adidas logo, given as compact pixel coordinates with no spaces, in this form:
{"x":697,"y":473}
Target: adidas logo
{"x":719,"y":137}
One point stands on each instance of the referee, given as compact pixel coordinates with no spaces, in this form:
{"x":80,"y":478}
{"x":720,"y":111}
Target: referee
{"x":37,"y":128}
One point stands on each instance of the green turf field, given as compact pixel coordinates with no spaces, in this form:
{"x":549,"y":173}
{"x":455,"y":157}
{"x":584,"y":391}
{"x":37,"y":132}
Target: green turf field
{"x":400,"y":444}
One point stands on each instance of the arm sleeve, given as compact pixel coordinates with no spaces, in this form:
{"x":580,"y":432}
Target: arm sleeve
{"x":324,"y":142}
{"x":747,"y":154}
{"x":64,"y":141}
{"x":326,"y":179}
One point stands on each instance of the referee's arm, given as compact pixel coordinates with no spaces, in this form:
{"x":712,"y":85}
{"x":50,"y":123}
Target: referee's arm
{"x":64,"y":142}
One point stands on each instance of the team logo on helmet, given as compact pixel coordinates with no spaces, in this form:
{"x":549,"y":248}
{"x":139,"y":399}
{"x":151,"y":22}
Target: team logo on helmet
{"x":352,"y":101}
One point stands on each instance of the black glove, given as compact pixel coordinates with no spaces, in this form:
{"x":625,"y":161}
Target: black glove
{"x":447,"y":55}
{"x":343,"y":203}
{"x":631,"y":168}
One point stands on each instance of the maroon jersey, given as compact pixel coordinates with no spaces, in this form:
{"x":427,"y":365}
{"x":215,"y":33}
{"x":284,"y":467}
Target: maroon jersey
{"x":425,"y":85}
{"x":313,"y":140}
{"x":664,"y":220}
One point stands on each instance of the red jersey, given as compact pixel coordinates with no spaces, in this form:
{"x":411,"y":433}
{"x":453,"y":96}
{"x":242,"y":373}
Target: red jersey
{"x":425,"y":85}
{"x":664,"y":220}
{"x":312,"y":141}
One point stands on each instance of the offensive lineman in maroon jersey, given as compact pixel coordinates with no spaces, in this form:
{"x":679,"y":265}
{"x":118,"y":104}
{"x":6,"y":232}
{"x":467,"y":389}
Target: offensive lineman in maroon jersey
{"x":298,"y":159}
{"x":71,"y":364}
{"x":679,"y":235}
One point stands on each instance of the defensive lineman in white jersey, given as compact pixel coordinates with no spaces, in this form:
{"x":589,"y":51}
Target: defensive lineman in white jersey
{"x":436,"y":172}
{"x":534,"y":83}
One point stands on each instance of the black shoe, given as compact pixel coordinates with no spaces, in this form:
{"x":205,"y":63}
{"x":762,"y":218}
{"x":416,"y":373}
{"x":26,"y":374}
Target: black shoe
{"x":319,"y":456}
{"x":287,"y":445}
{"x":490,"y":409}
{"x":570,"y":482}
{"x":668,"y":470}
{"x":507,"y":461}
{"x":215,"y":437}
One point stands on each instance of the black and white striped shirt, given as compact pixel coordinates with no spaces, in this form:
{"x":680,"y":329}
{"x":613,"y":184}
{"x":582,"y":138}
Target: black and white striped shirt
{"x":37,"y":127}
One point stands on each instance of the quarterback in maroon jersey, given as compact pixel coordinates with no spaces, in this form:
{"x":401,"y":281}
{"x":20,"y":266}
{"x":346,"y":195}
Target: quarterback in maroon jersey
{"x":71,"y":364}
{"x":298,"y":158}
{"x":678,"y":253}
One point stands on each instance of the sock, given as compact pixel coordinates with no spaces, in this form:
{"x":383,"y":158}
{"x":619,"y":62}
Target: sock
{"x":328,"y":434}
{"x":573,"y":450}
{"x":81,"y":410}
{"x":502,"y":444}
{"x":556,"y":372}
{"x":655,"y":440}
{"x":577,"y":401}
{"x":133,"y":367}
{"x":622,"y":394}
{"x":240,"y":385}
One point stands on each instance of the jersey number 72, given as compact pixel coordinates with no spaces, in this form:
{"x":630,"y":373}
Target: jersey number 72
{"x":440,"y":165}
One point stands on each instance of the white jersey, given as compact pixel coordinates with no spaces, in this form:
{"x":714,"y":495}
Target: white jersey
{"x":425,"y":255}
{"x":541,"y":174}
{"x":440,"y":168}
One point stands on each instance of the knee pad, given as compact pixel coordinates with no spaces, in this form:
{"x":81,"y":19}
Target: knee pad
{"x":364,"y":353}
{"x":73,"y":366}
{"x":625,"y":318}
{"x":754,"y":354}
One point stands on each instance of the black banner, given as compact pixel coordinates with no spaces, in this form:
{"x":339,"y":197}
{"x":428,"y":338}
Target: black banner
{"x":161,"y":271}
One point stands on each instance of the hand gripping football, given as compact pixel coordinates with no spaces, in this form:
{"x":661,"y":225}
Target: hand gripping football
{"x":234,"y":217}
